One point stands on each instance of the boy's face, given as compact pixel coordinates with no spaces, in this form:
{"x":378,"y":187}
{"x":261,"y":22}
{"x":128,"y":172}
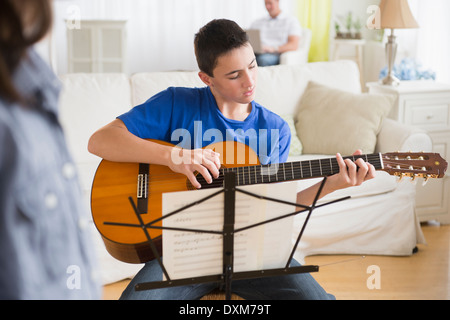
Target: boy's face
{"x":234,"y":77}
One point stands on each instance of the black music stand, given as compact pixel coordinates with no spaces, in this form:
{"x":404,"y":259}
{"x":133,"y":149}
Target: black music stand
{"x":228,"y":275}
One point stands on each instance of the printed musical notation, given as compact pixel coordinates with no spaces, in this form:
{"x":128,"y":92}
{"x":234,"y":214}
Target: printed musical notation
{"x":192,"y":254}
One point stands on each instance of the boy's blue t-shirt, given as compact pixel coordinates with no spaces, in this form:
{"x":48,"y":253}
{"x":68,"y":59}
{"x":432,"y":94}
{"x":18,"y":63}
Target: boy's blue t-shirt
{"x":190,"y":118}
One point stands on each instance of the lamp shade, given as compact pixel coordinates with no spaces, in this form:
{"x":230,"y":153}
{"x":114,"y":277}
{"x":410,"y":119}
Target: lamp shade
{"x":396,"y":14}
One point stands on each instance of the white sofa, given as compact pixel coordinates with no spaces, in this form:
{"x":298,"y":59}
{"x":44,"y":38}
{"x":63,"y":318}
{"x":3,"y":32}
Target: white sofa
{"x":299,"y":56}
{"x":379,"y":219}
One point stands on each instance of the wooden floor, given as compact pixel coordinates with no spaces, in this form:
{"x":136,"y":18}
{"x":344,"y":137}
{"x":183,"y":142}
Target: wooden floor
{"x":422,"y":276}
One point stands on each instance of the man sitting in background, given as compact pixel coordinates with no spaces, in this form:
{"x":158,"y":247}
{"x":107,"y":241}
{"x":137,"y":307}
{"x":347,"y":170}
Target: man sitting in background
{"x":280,"y":32}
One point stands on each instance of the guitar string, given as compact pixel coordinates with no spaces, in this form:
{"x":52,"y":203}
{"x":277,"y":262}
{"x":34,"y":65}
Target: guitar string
{"x":403,"y":164}
{"x":302,"y":165}
{"x":306,"y":170}
{"x":287,"y":169}
{"x":249,"y":177}
{"x":291,"y":172}
{"x":256,"y":176}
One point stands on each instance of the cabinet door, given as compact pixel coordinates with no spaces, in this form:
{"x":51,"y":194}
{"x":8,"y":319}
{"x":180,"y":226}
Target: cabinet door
{"x":111,"y":50}
{"x":80,"y":50}
{"x":432,"y":200}
{"x":97,"y":46}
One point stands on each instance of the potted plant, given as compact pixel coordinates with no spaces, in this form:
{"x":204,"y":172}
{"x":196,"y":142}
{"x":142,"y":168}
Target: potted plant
{"x":337,"y":29}
{"x":349,"y":25}
{"x":357,"y":26}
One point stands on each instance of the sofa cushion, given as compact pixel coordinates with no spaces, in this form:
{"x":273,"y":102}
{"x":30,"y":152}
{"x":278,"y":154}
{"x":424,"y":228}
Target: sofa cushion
{"x":330,"y":120}
{"x":146,"y":84}
{"x":279,"y":88}
{"x":342,"y":74}
{"x":296,"y":147}
{"x":87,"y":103}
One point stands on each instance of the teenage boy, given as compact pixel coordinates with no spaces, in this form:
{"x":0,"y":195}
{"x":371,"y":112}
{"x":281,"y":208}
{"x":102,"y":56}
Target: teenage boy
{"x":228,"y":68}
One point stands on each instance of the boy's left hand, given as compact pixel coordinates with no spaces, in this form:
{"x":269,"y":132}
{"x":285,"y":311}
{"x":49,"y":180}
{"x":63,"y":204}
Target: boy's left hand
{"x":351,"y":173}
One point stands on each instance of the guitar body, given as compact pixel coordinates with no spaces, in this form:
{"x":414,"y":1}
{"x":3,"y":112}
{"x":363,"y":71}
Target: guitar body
{"x":115,"y":182}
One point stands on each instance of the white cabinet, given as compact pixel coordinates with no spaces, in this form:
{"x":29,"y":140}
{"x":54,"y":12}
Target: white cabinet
{"x":97,"y":46}
{"x":426,"y":104}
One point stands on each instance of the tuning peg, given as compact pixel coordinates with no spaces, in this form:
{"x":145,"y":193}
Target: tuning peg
{"x":425,"y":180}
{"x":413,"y":180}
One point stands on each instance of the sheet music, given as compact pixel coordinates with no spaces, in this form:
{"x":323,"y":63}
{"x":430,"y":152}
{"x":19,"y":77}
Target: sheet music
{"x":188,"y":254}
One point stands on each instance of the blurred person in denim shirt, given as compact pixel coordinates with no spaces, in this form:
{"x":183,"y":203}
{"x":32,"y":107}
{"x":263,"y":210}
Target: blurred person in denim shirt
{"x":45,"y":246}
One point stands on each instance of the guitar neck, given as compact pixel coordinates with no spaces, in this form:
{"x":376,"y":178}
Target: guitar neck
{"x":295,"y":170}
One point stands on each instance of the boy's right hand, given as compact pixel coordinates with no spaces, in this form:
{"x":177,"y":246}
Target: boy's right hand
{"x":204,"y":161}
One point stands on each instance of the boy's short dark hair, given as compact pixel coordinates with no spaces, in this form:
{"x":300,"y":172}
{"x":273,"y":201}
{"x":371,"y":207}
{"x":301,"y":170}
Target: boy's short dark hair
{"x":215,"y":39}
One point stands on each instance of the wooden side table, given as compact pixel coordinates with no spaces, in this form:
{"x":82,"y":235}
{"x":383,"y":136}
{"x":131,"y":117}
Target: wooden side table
{"x":426,"y":104}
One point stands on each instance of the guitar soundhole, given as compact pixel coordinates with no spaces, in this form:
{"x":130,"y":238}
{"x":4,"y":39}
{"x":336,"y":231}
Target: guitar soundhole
{"x":215,"y":184}
{"x":189,"y":185}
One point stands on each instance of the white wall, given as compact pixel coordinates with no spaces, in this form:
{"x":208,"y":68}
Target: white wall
{"x":160,"y":32}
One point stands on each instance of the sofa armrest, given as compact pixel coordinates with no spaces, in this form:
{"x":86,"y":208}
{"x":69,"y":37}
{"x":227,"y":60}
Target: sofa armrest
{"x":395,"y":136}
{"x":300,"y":56}
{"x":297,"y":57}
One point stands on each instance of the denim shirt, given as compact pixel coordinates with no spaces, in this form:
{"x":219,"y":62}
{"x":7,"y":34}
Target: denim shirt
{"x":45,"y":247}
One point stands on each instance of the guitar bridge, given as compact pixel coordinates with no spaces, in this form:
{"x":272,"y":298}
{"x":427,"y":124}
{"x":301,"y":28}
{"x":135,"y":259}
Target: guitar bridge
{"x":142,"y":185}
{"x":142,"y":188}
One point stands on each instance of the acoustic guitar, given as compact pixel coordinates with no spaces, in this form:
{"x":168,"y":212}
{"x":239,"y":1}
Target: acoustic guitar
{"x":115,"y":182}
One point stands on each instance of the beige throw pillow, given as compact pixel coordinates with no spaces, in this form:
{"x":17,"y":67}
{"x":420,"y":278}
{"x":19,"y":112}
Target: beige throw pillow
{"x":296,"y":145}
{"x":330,"y":120}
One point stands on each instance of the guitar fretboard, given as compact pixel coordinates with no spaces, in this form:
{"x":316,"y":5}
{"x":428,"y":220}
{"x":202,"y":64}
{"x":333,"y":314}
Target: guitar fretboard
{"x":289,"y":171}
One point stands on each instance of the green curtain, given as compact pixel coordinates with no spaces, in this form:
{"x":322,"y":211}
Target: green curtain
{"x":316,"y":15}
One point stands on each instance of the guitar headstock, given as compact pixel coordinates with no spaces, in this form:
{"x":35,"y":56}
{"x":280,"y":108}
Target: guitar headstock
{"x":414,"y":164}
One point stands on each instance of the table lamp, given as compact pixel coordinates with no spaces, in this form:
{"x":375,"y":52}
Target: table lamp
{"x":395,"y":14}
